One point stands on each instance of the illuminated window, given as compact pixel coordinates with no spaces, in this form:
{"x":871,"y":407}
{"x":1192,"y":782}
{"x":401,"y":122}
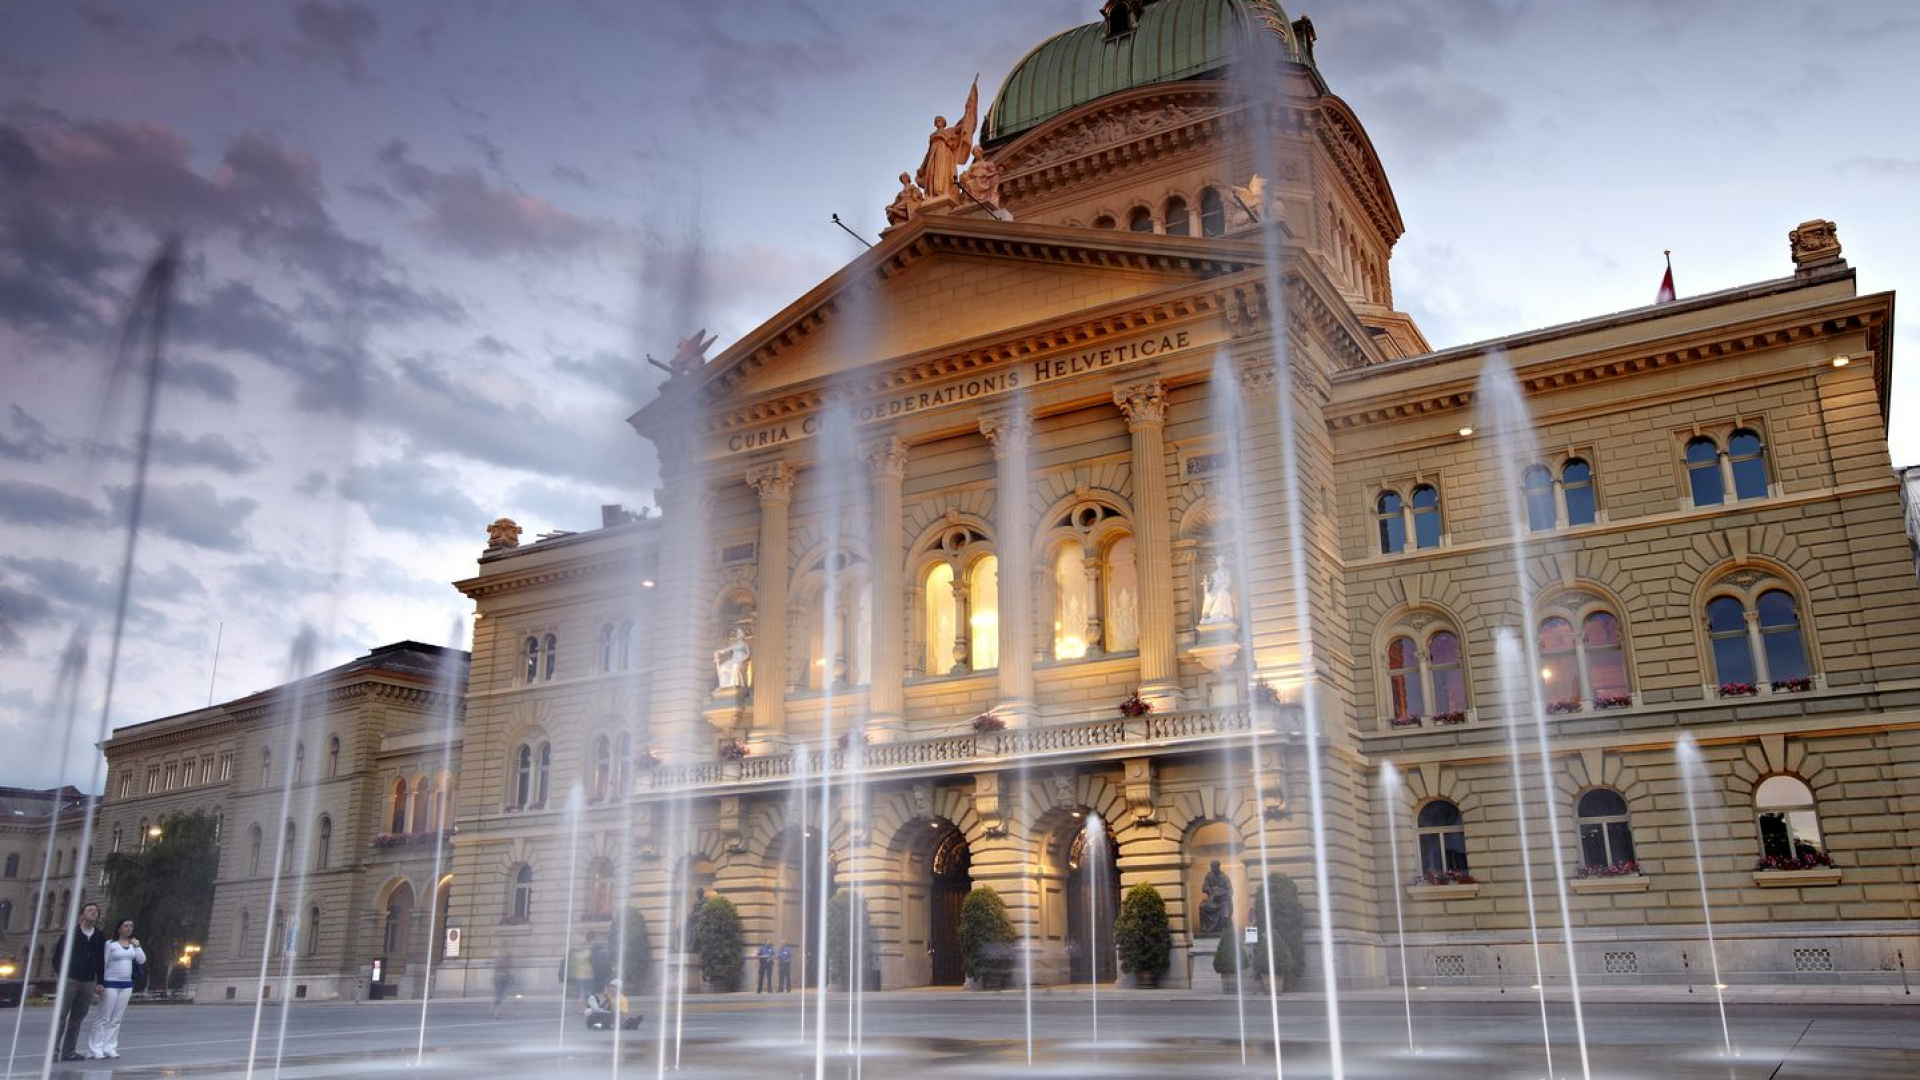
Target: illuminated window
{"x":983,"y":614}
{"x":942,"y":615}
{"x":1789,"y":823}
{"x":1443,"y":838}
{"x":1605,"y":838}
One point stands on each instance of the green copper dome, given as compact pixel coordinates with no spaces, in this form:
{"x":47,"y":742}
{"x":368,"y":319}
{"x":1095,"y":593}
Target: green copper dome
{"x":1170,"y":40}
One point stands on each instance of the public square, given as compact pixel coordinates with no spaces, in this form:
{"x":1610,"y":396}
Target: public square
{"x":1859,"y":1034}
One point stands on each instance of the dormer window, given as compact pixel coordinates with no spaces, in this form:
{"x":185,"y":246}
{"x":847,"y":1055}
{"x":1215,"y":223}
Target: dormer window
{"x":1122,"y":16}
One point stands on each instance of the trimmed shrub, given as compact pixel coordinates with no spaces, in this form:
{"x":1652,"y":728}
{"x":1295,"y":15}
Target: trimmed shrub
{"x":844,"y":910}
{"x":987,"y":936}
{"x":1226,"y":955}
{"x":637,"y":966}
{"x":723,"y":944}
{"x":1141,"y":933}
{"x":1288,"y":938}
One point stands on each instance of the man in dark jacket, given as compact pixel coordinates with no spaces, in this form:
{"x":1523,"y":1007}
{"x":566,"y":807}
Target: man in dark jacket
{"x":85,"y":958}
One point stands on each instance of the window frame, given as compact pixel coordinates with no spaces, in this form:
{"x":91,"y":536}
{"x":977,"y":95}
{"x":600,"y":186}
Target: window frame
{"x":1745,"y":584}
{"x":1438,"y":833}
{"x":1602,"y":822}
{"x":1420,"y":626}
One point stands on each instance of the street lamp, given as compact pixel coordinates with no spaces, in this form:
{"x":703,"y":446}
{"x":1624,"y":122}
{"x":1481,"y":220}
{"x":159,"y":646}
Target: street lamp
{"x":153,"y":832}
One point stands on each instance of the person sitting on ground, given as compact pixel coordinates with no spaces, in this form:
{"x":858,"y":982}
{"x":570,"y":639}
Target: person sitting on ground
{"x":607,"y":1004}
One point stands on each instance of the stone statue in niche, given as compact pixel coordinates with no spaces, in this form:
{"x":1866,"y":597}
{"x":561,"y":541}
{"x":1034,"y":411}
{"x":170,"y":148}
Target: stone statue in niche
{"x":982,"y":180}
{"x":907,"y":203}
{"x":947,"y":147}
{"x":730,"y":661}
{"x":1217,"y":603}
{"x":1216,"y":911}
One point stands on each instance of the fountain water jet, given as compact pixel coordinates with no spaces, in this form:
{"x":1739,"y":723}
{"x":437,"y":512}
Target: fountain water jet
{"x":1511,"y":665}
{"x":66,"y":699}
{"x":1390,"y":780}
{"x":449,"y":679}
{"x":574,"y":808}
{"x":299,"y":667}
{"x":1687,"y":755}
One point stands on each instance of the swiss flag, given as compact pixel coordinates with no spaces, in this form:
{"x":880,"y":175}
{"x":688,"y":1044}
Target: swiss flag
{"x":1665,"y":295}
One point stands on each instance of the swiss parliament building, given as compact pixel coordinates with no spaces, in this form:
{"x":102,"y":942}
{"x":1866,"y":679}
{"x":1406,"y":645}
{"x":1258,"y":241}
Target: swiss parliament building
{"x":1111,"y":483}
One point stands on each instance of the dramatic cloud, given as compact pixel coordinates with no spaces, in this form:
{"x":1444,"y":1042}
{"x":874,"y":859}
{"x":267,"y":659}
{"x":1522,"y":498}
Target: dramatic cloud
{"x":192,"y":513}
{"x":24,"y":438}
{"x":468,"y":215}
{"x":410,"y":495}
{"x":23,"y":502}
{"x":336,"y":35}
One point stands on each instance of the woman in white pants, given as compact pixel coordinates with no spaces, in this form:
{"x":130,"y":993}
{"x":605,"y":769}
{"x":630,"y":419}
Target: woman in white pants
{"x":123,"y":952}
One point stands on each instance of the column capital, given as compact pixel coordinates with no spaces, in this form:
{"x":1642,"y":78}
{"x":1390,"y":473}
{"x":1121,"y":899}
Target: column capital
{"x":774,"y":481}
{"x":885,"y":457}
{"x":1006,"y":428}
{"x":1142,"y":402}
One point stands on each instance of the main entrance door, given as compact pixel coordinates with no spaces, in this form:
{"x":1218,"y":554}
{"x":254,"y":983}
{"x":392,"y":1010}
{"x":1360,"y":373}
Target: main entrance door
{"x":948,"y":863}
{"x":1093,"y":896}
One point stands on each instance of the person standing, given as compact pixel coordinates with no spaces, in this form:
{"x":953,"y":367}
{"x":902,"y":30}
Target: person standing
{"x":764,"y":985}
{"x":599,"y":958}
{"x":84,"y":954}
{"x":119,"y":956}
{"x":577,"y":970}
{"x":502,"y":978}
{"x":786,"y":966}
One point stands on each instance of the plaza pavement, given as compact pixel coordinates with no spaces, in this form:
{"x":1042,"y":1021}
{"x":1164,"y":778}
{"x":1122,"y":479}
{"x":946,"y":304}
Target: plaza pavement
{"x":1801,"y":1033}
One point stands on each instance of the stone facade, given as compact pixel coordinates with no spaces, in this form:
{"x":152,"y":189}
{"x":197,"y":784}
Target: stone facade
{"x":31,"y":822}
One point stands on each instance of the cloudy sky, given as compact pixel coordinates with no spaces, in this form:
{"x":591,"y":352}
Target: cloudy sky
{"x":430,"y":244}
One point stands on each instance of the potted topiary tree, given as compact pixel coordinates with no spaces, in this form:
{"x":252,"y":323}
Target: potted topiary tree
{"x":1226,"y":959}
{"x":844,"y":911}
{"x":635,"y":947}
{"x":987,"y":939}
{"x":1287,"y":937}
{"x":1142,"y":937}
{"x":722,"y":944}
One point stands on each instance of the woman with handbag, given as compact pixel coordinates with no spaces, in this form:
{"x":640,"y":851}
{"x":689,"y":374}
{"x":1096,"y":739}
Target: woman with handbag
{"x":125,"y":957}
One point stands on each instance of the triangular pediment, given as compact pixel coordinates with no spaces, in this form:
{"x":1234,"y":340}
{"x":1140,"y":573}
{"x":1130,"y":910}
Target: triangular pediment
{"x":942,"y":281}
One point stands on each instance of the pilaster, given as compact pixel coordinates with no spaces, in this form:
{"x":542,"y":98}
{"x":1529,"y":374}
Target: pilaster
{"x":1145,"y":406}
{"x":1011,"y":433}
{"x":886,"y":461}
{"x":774,"y":484}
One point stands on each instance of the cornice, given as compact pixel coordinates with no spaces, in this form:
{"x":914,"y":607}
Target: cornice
{"x":1758,"y":333}
{"x":509,"y":578}
{"x":1340,"y":133}
{"x":1122,"y":132}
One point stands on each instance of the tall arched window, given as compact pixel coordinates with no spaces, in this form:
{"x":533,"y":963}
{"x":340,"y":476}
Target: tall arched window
{"x":442,"y":803}
{"x":839,"y":646}
{"x":1176,"y":215}
{"x":1408,"y":694}
{"x":1703,"y":472}
{"x":1140,"y":220}
{"x":1756,"y":636}
{"x":540,"y":774}
{"x":553,"y":656}
{"x":520,"y":905}
{"x":286,"y":849}
{"x":532,"y":650}
{"x":1576,"y":485}
{"x":600,"y":890}
{"x":254,"y":839}
{"x":1071,"y":608}
{"x":983,"y":613}
{"x":140,"y":844}
{"x":299,"y":762}
{"x":397,"y":807}
{"x":333,"y":757}
{"x":266,"y":767}
{"x":1390,"y":512}
{"x":114,"y":846}
{"x":1120,"y":596}
{"x":1606,"y":840}
{"x":1559,"y":665}
{"x":1745,"y":454}
{"x":1213,"y":213}
{"x":1536,"y":485}
{"x":1789,"y":825}
{"x":1443,"y":841}
{"x":607,"y":647}
{"x":6,"y":915}
{"x":421,"y":819}
{"x":244,"y":931}
{"x":310,"y":937}
{"x":622,"y":764}
{"x":522,"y":776}
{"x":1604,"y":660}
{"x":1425,"y":671}
{"x":1727,"y":632}
{"x":13,"y":860}
{"x":1445,"y":673}
{"x":625,"y":645}
{"x":1782,"y":646}
{"x":1427,"y":526}
{"x":323,"y":843}
{"x":942,"y":620}
{"x":601,"y":778}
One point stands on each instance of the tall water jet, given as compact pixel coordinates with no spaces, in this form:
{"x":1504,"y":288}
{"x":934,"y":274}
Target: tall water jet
{"x":449,"y":680}
{"x":1687,"y":756}
{"x":574,"y":809}
{"x":66,"y":702}
{"x":1511,"y":663}
{"x":1508,"y":424}
{"x":299,"y":667}
{"x":1391,"y":795}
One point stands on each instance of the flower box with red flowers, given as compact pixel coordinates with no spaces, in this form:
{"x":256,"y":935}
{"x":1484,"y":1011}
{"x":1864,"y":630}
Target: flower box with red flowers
{"x":1264,"y":695}
{"x":1442,"y":877}
{"x":650,"y":759}
{"x":1135,"y":705}
{"x":1622,"y":868}
{"x":1448,"y":719}
{"x":1738,"y":689}
{"x":1792,"y":686}
{"x":1403,"y":721}
{"x":733,"y":750}
{"x":1571,"y":705}
{"x":987,"y":723}
{"x":1808,"y":860}
{"x":1613,"y":701}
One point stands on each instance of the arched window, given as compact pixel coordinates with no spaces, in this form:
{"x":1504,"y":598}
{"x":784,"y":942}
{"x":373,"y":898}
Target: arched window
{"x":323,"y":843}
{"x":606,"y":647}
{"x":13,"y":859}
{"x":1105,"y":221}
{"x":942,"y":625}
{"x":601,"y":778}
{"x":1576,"y":485}
{"x":1606,"y":840}
{"x":1140,"y":220}
{"x":1536,"y":484}
{"x":521,"y":902}
{"x":553,"y":656}
{"x":1426,"y":516}
{"x":1444,"y":672}
{"x":540,"y":774}
{"x":57,"y":856}
{"x":286,"y":849}
{"x":1789,"y":825}
{"x":983,"y":613}
{"x":421,"y":821}
{"x":1213,"y":213}
{"x":1443,"y":841}
{"x":1604,"y":660}
{"x":6,"y":915}
{"x":1425,"y":671}
{"x":1583,"y":661}
{"x":266,"y":766}
{"x":299,"y":762}
{"x":310,"y":937}
{"x":1120,"y":596}
{"x":625,"y":645}
{"x":140,"y":844}
{"x":1071,"y":607}
{"x":253,"y":849}
{"x":1756,"y":636}
{"x":1749,"y":463}
{"x":522,"y":776}
{"x":245,"y":931}
{"x":397,"y":807}
{"x":1559,"y":666}
{"x":532,"y":650}
{"x":622,"y":764}
{"x":600,"y":890}
{"x":1403,"y":677}
{"x":1703,"y":472}
{"x":442,"y":804}
{"x":840,"y":624}
{"x":333,"y":757}
{"x":1176,"y":215}
{"x":1390,"y":511}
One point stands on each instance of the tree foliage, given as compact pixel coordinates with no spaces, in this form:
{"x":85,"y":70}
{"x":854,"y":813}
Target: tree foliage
{"x":987,"y":936}
{"x":1226,"y":954}
{"x":637,"y":963}
{"x":1141,"y":933}
{"x":1288,"y":938}
{"x":166,"y":888}
{"x":722,"y":943}
{"x":844,"y":910}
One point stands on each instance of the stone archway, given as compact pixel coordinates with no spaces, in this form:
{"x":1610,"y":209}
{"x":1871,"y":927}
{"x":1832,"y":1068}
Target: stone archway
{"x":799,"y":860}
{"x":396,"y":929}
{"x":1092,"y":870}
{"x":947,"y":864}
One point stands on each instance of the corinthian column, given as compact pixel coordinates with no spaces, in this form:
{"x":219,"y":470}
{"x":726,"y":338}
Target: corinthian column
{"x":774,"y":482}
{"x":886,"y":461}
{"x":1011,"y":433}
{"x":1145,"y":406}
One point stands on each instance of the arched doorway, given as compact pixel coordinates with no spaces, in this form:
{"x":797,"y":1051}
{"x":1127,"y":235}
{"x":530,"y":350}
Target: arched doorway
{"x":803,"y":859}
{"x":395,"y":936}
{"x":949,"y":866}
{"x":1093,"y":900}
